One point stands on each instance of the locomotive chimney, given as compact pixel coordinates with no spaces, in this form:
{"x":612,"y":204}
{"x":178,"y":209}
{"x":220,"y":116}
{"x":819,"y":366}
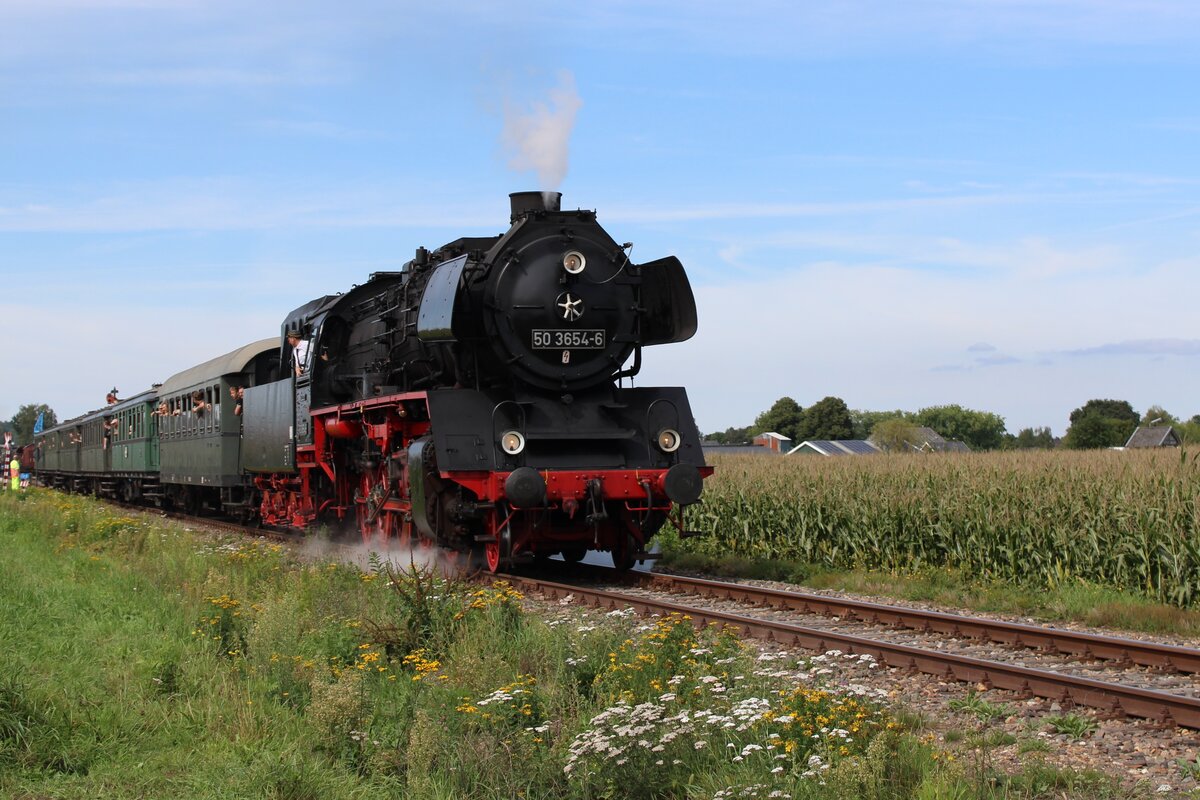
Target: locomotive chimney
{"x":523,"y":203}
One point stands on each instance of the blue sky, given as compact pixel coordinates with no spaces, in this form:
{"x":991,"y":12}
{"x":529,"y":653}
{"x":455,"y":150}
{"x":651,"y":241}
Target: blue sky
{"x":902,"y":204}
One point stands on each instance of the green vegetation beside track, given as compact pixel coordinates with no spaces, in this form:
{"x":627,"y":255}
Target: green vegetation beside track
{"x":1096,"y":526}
{"x":141,"y":660}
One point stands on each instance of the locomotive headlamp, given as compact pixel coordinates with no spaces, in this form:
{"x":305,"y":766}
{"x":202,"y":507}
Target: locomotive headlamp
{"x":512,"y":442}
{"x":574,"y":262}
{"x":668,"y":440}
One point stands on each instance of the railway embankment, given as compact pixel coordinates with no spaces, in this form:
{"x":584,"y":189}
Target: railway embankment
{"x":147,"y":659}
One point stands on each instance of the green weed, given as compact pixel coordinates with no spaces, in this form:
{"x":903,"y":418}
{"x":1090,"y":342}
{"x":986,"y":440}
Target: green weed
{"x":1077,"y":726}
{"x":980,"y":708}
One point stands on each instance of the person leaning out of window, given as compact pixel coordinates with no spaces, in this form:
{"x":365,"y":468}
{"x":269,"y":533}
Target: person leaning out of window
{"x":299,"y":347}
{"x":236,"y":393}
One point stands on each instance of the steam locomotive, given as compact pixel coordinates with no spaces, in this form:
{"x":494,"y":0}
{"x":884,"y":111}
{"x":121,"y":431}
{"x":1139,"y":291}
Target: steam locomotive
{"x":479,"y":399}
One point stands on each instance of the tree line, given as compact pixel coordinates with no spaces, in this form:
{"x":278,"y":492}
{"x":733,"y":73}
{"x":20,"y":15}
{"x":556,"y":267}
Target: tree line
{"x":1097,"y":423}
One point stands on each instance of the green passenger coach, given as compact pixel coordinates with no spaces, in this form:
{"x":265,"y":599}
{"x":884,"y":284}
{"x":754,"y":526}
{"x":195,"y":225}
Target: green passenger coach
{"x":199,"y":433}
{"x":112,"y":451}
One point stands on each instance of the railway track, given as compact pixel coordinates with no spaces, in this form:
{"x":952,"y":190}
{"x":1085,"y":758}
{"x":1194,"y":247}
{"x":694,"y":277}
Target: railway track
{"x":1110,"y":698}
{"x":1042,"y":638}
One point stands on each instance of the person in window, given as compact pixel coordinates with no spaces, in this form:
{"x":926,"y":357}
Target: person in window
{"x":110,"y":428}
{"x":236,"y":393}
{"x":163,"y":410}
{"x":299,"y":347}
{"x":198,"y":404}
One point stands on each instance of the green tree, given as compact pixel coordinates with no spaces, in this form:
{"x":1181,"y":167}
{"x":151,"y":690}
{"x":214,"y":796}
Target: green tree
{"x":1113,"y":409}
{"x":25,"y":418}
{"x":1189,"y":431}
{"x":731,"y":436}
{"x":1034,"y":439}
{"x":1157,"y":415}
{"x":980,"y":430}
{"x":895,"y":434}
{"x":828,"y":418}
{"x":865,"y":421}
{"x":783,"y":418}
{"x":1102,"y":423}
{"x":1094,"y":431}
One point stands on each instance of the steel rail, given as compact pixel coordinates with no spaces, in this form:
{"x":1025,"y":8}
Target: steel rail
{"x":1111,"y":698}
{"x":1054,"y":640}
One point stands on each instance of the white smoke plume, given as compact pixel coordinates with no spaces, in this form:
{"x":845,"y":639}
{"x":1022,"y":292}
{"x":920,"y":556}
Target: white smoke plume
{"x":538,"y":138}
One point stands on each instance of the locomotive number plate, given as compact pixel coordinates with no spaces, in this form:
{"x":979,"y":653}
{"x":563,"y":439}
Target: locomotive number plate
{"x":568,"y":340}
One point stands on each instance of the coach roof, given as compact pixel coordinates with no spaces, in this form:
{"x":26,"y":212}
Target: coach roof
{"x":228,"y":364}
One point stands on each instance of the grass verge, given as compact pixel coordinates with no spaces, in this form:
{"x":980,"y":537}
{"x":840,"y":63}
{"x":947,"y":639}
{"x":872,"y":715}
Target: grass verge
{"x":144,"y":661}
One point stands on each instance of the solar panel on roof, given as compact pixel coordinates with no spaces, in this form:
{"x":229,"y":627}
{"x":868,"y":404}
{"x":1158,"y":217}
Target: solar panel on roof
{"x":858,"y":446}
{"x":828,"y":447}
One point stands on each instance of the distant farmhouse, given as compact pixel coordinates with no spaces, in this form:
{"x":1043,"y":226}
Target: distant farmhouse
{"x":1154,"y":436}
{"x":925,"y":440}
{"x":764,"y":444}
{"x":844,"y":447}
{"x":773,"y":441}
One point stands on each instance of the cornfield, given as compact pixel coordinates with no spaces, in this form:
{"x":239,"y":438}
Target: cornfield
{"x":1122,"y":519}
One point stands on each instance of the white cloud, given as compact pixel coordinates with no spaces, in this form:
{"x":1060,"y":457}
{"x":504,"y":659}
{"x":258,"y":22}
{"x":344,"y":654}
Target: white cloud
{"x":1141,"y":347}
{"x":236,"y":204}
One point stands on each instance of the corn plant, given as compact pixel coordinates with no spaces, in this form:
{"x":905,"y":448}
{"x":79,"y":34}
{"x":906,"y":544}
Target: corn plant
{"x":1127,"y":520}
